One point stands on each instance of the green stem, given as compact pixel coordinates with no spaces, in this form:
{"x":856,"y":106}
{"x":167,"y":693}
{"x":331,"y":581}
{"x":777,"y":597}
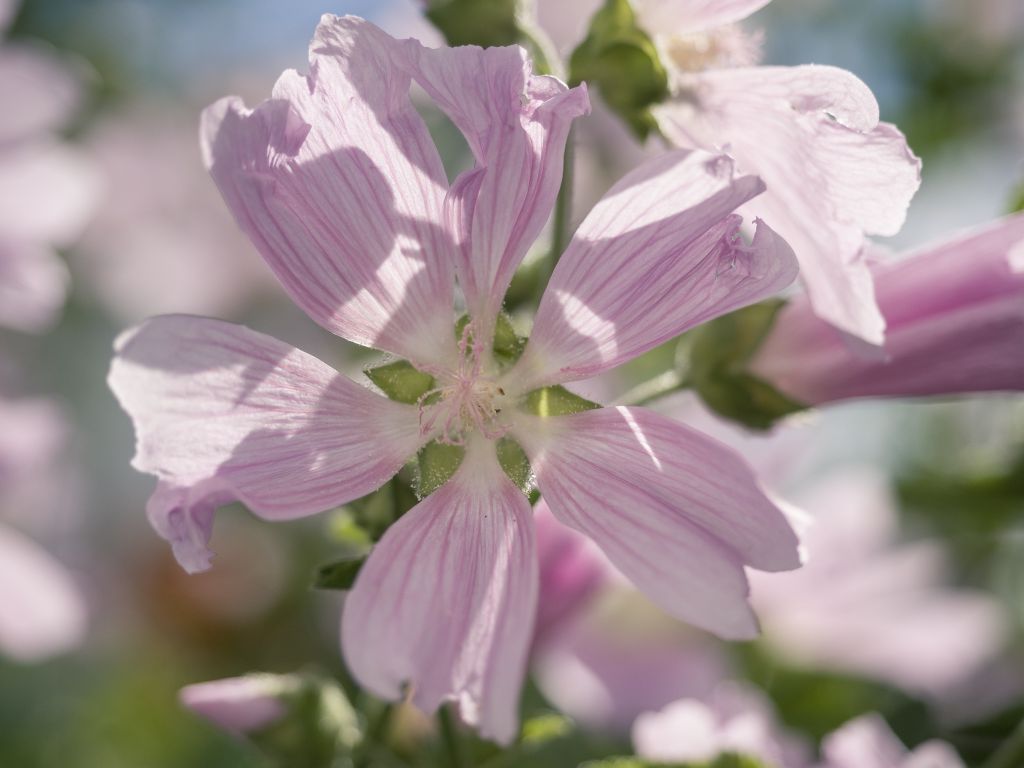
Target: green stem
{"x":450,"y":737}
{"x":663,"y":384}
{"x":563,"y":214}
{"x":1011,"y":753}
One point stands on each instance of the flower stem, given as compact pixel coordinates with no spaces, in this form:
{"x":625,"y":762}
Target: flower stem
{"x":562,"y":216}
{"x":663,"y":384}
{"x":1011,"y":753}
{"x":450,"y":736}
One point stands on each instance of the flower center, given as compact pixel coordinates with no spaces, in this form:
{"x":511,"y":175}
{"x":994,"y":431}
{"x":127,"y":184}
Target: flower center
{"x":727,"y":46}
{"x":466,"y":399}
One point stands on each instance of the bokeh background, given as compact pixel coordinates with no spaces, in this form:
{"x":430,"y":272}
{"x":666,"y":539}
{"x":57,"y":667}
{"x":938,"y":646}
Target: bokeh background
{"x":950,"y":73}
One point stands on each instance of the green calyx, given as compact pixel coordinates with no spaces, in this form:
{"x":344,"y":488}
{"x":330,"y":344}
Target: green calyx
{"x":620,"y":59}
{"x":556,"y":401}
{"x":401,"y":381}
{"x":719,"y":353}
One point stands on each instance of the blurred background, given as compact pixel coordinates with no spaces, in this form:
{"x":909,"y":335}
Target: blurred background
{"x":118,"y":88}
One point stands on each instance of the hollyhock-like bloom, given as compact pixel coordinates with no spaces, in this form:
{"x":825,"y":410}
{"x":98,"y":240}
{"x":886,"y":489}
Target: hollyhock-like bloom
{"x":955,"y":313}
{"x":42,"y":612}
{"x":735,"y":719}
{"x":834,"y":172}
{"x":336,"y":181}
{"x":161,"y":241}
{"x":866,"y":605}
{"x":239,"y":705}
{"x":867,"y":742}
{"x":47,"y":190}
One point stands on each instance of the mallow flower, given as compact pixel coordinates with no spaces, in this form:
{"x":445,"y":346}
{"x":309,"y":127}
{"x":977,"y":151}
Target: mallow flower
{"x":336,"y":181}
{"x":834,"y":172}
{"x":955,"y":313}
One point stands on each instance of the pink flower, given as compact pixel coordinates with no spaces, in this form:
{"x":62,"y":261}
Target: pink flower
{"x":47,"y":190}
{"x":336,"y":181}
{"x":955,"y":312}
{"x":239,"y":705}
{"x":867,"y":742}
{"x":834,"y":172}
{"x":866,"y":605}
{"x":735,"y":719}
{"x":42,"y":612}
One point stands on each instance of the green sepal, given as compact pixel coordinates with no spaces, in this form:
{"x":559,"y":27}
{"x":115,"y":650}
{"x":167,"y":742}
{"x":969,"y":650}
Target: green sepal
{"x":437,"y":462}
{"x":320,"y":727}
{"x":727,"y":760}
{"x":341,"y":574}
{"x":718,"y":355}
{"x":556,"y":401}
{"x":488,"y":23}
{"x":401,"y":381}
{"x":363,"y":521}
{"x":508,"y":346}
{"x":514,"y":461}
{"x":620,"y":59}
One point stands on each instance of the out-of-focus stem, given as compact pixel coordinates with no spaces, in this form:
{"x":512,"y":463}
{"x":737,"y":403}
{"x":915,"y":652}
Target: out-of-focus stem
{"x":450,"y":736}
{"x":1011,"y":753}
{"x":663,"y":384}
{"x":562,"y":216}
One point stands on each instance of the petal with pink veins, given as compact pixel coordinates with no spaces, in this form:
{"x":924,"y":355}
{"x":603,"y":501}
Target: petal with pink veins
{"x":678,"y":513}
{"x":659,"y":254}
{"x":516,"y":125}
{"x":224,"y":413}
{"x":445,"y":604}
{"x":338,"y":184}
{"x":834,"y":173}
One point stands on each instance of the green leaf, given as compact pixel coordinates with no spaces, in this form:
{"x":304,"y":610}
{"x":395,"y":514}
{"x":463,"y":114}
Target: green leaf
{"x":545,"y":728}
{"x":489,"y":23}
{"x":437,"y":463}
{"x":620,"y":59}
{"x":1017,"y":199}
{"x":718,"y":355}
{"x":556,"y":401}
{"x":401,"y":381}
{"x":340,"y":574}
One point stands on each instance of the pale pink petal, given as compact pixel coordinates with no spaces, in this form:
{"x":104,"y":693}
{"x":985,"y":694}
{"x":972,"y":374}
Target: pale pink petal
{"x":337,"y":182}
{"x":684,"y":731}
{"x":689,"y":16}
{"x":955,"y":316}
{"x":47,"y":193}
{"x":676,"y":512}
{"x":659,"y":254}
{"x":224,"y":413}
{"x":42,"y":612}
{"x":867,"y":742}
{"x":445,"y":604}
{"x":516,"y":125}
{"x":237,"y":704}
{"x":42,"y":92}
{"x":572,"y":570}
{"x":33,"y":284}
{"x":834,"y":173}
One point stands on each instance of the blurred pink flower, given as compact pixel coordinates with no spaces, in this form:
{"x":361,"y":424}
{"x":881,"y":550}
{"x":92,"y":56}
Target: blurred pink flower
{"x":47,"y":190}
{"x":162,"y":241}
{"x":866,"y":605}
{"x":42,"y":612}
{"x":734,"y":719}
{"x":239,"y":705}
{"x":955,"y":314}
{"x":867,"y":742}
{"x":357,"y":219}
